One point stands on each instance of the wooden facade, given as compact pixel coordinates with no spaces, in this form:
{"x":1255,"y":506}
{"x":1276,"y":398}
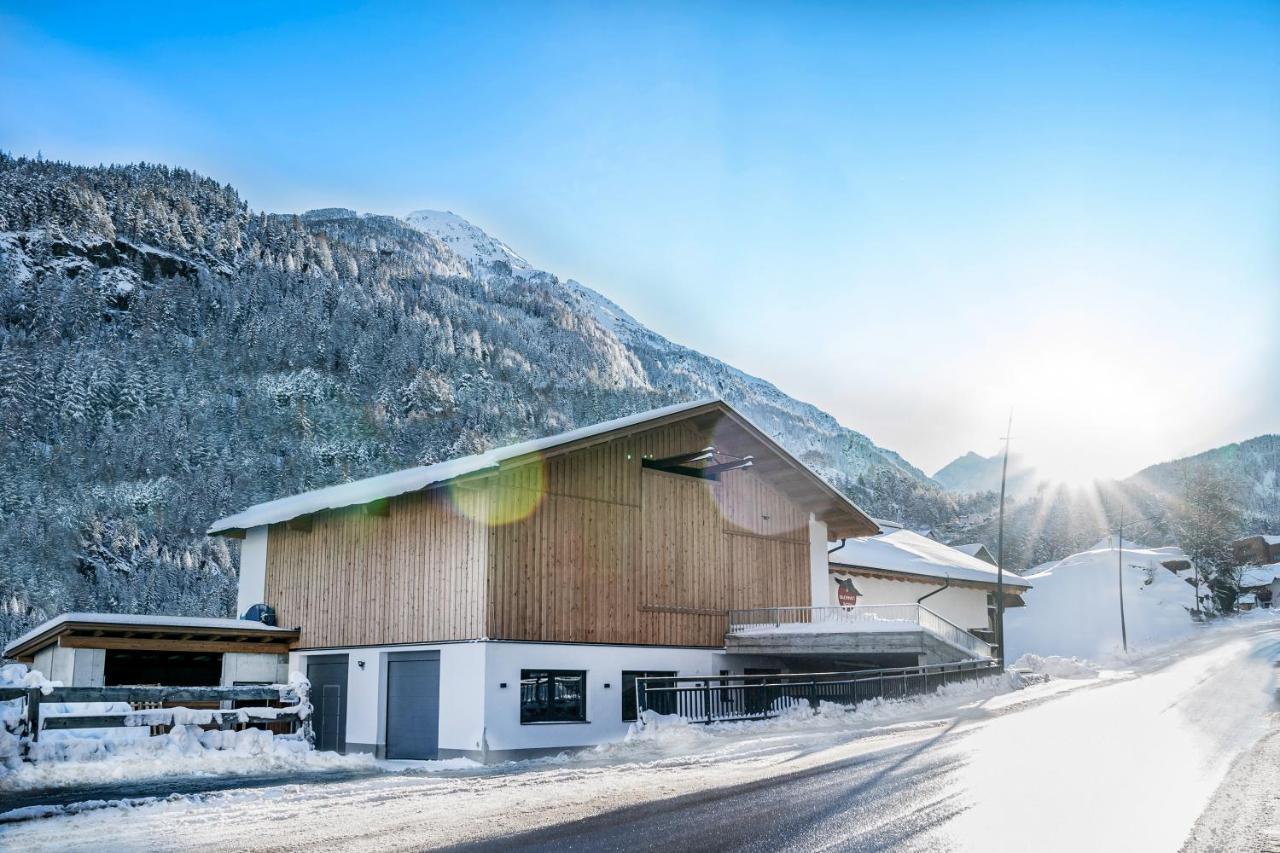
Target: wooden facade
{"x":585,"y":545}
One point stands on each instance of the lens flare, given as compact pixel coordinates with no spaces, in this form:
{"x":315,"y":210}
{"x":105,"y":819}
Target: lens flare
{"x":509,"y":497}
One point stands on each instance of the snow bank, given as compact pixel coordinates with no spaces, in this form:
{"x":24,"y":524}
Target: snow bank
{"x":184,"y":751}
{"x":1056,"y":667}
{"x":1073,"y":608}
{"x":86,"y":756}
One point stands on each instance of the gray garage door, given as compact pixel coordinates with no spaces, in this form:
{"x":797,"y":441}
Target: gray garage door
{"x":328,"y":677}
{"x":413,"y":704}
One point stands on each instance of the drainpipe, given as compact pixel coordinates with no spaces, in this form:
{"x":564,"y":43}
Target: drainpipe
{"x":838,"y":547}
{"x":946,"y":584}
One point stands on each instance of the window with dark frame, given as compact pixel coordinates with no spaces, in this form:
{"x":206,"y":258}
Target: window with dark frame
{"x":553,"y":696}
{"x":663,"y":703}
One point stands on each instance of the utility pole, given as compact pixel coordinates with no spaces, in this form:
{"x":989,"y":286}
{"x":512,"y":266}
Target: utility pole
{"x":1004,"y":474}
{"x":1124,"y":634}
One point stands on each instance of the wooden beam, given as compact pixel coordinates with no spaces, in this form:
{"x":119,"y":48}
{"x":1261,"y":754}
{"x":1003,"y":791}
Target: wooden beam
{"x":142,"y":644}
{"x":302,"y":524}
{"x":241,"y":692}
{"x":378,"y":509}
{"x":143,"y":718}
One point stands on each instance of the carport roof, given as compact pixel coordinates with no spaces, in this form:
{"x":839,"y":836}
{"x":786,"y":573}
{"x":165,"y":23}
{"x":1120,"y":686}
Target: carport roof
{"x":146,"y":631}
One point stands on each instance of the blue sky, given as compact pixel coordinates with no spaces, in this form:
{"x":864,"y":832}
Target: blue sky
{"x":842,"y":198}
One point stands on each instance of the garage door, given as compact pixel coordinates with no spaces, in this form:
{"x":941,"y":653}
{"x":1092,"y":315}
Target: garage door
{"x":413,"y":705}
{"x":328,"y":677}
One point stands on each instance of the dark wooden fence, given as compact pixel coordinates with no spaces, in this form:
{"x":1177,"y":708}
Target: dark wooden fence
{"x":709,"y":699}
{"x":288,"y":707}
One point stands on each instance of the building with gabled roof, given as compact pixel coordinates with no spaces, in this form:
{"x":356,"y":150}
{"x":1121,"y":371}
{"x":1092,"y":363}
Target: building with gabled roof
{"x":504,"y":603}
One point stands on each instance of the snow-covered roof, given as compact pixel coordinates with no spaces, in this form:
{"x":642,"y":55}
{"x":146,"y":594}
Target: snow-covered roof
{"x":126,"y":620}
{"x":910,"y":553}
{"x":1259,"y":575}
{"x":1247,"y":598}
{"x":1271,"y":540}
{"x":970,"y":548}
{"x":415,"y":479}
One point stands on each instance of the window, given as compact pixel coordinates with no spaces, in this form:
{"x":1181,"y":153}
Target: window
{"x":663,"y":703}
{"x":553,"y":696}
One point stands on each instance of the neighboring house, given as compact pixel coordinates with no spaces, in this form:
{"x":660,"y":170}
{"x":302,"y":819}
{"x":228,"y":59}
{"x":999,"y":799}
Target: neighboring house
{"x":1256,"y":550}
{"x":903,"y":566}
{"x":1262,"y":583}
{"x":114,"y":649}
{"x":976,"y":549}
{"x":504,"y":603}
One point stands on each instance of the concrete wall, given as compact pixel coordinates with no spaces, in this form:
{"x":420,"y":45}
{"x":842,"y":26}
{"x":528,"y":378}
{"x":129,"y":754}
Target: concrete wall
{"x":254,"y":668}
{"x":965,"y":606}
{"x":252,"y":587}
{"x":818,"y":563}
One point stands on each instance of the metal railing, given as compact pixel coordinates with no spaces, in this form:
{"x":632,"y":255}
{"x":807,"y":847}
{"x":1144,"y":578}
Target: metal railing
{"x":872,"y":617}
{"x":720,"y":698}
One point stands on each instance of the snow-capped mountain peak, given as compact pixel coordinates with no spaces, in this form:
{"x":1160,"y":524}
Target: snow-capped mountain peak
{"x":466,"y":240}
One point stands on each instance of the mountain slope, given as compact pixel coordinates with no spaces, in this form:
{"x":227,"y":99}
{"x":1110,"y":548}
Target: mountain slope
{"x":168,"y":356}
{"x":973,"y":473}
{"x":1253,"y":466}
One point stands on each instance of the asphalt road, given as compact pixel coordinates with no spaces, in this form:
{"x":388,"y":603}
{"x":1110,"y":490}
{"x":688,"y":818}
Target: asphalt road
{"x":1049,"y":783}
{"x":894,"y":799}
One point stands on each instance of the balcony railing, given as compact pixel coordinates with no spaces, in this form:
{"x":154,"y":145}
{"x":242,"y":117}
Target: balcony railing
{"x":861,"y":618}
{"x":714,"y":698}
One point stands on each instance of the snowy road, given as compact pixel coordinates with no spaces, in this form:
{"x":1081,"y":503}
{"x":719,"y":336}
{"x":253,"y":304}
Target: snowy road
{"x":1129,"y":763}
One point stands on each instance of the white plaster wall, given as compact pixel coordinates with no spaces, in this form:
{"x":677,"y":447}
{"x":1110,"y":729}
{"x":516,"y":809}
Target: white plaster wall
{"x":252,"y":588}
{"x":243,"y":667}
{"x":817,"y":563}
{"x":462,"y":668}
{"x":476,"y":714}
{"x":604,"y":665}
{"x":965,"y":606}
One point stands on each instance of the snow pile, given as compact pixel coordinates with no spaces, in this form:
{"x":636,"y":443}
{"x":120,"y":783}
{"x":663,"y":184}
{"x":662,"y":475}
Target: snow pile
{"x":1056,"y":667}
{"x":88,"y":755}
{"x":1073,"y":608}
{"x":184,"y":751}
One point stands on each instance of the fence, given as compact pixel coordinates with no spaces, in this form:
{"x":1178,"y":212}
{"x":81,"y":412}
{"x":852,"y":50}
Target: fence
{"x":292,"y":708}
{"x":870,"y":617}
{"x":709,"y":699}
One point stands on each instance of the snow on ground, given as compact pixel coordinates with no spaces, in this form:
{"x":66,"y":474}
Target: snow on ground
{"x":1073,"y":608}
{"x":184,"y":751}
{"x":1057,"y":667}
{"x":1129,"y":765}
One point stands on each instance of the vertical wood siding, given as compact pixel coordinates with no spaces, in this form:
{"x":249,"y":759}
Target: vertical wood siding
{"x":587,"y":546}
{"x":415,"y":574}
